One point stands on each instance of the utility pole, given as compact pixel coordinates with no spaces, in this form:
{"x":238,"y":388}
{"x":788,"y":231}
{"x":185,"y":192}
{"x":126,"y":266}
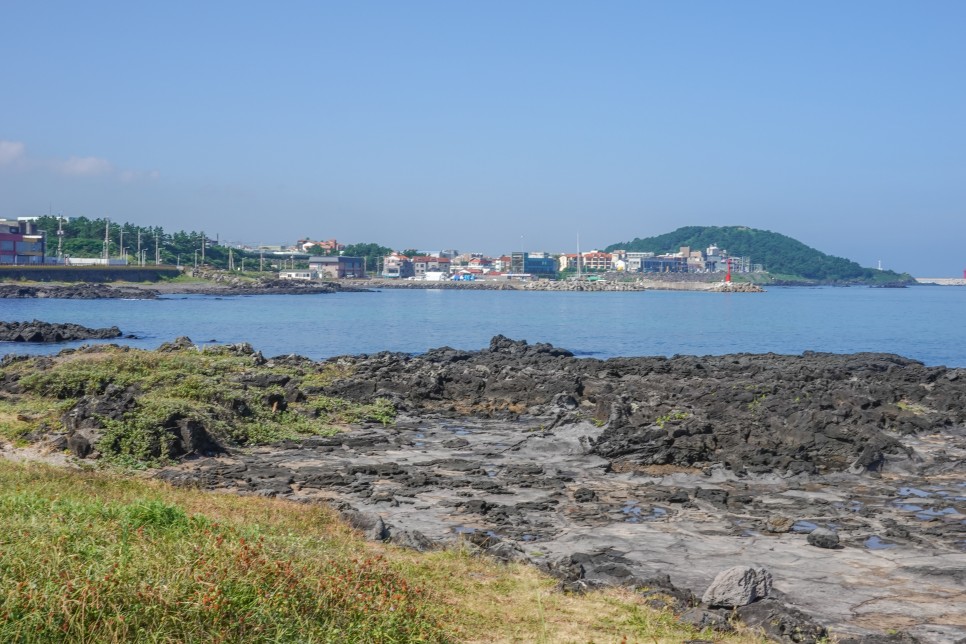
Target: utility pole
{"x":139,"y":247}
{"x":261,"y":260}
{"x":231,"y":260}
{"x":204,"y":242}
{"x":120,"y":246}
{"x":60,"y":237}
{"x":107,"y":240}
{"x":157,"y":250}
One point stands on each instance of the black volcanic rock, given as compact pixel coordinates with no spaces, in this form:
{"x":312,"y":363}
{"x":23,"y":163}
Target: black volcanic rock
{"x":80,"y":291}
{"x":38,"y":331}
{"x":756,"y":413}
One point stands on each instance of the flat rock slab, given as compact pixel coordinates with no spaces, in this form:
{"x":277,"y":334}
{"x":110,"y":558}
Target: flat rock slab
{"x":901,"y":564}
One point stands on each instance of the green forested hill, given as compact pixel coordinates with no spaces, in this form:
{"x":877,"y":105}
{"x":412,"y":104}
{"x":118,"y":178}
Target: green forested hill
{"x":779,"y":254}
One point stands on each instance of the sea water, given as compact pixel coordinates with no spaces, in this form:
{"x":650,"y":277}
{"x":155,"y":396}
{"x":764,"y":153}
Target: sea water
{"x":925,"y":323}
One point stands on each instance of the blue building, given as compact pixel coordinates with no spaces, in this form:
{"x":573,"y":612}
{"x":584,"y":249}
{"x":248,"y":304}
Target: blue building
{"x":540,"y":266}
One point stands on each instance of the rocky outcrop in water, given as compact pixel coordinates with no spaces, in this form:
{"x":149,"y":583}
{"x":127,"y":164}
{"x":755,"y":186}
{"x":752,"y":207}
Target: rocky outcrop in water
{"x":225,"y":283}
{"x":83,"y":291}
{"x":38,"y":331}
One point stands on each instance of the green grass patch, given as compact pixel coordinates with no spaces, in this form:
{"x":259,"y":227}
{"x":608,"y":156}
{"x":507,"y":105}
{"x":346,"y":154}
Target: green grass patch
{"x":93,"y":557}
{"x":80,"y":560}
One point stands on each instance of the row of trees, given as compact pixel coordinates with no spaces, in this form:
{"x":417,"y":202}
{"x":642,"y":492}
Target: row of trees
{"x":83,"y":237}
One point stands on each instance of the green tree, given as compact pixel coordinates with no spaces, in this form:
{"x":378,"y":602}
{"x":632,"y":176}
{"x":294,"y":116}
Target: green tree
{"x":778,"y":253}
{"x":372,"y":253}
{"x":84,"y":237}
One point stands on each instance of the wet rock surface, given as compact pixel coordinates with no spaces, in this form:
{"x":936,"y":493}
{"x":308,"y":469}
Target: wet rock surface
{"x":659,"y":474}
{"x":37,"y":331}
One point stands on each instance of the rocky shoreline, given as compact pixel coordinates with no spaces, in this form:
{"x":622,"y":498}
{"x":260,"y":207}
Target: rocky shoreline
{"x":827,"y":491}
{"x":83,"y":291}
{"x":214,"y":284}
{"x":842,"y":476}
{"x":219,"y":283}
{"x":38,"y":331}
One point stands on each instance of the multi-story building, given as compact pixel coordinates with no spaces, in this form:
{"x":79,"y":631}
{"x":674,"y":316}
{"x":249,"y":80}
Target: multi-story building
{"x":397,"y":266}
{"x":665,"y":264}
{"x":423,"y":264}
{"x":544,"y":266}
{"x":21,"y":243}
{"x":634,"y":261}
{"x":597,"y":261}
{"x":338,"y":267}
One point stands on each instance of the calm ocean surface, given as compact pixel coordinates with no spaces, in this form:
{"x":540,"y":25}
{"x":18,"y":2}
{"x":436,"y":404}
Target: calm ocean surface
{"x":925,"y":323}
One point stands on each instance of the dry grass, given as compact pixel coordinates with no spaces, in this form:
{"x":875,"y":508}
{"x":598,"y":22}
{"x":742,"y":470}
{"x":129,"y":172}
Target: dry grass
{"x":516,"y":603}
{"x":88,"y":556}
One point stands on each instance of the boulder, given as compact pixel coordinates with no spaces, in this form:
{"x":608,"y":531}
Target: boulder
{"x":823,"y":538}
{"x":738,"y":586}
{"x":412,"y":539}
{"x":370,"y":525}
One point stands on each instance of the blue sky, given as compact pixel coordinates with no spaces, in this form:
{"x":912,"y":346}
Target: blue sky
{"x":472,"y":125}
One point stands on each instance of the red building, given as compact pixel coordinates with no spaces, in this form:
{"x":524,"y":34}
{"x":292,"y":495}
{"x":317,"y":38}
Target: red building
{"x":21,"y":243}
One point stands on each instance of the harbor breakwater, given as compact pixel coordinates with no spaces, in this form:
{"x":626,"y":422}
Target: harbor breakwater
{"x":572,"y":285}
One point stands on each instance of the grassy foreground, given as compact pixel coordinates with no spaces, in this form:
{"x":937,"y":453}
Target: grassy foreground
{"x":97,"y":557}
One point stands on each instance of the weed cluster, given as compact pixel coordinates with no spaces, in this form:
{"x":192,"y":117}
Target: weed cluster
{"x":671,"y":416}
{"x":223,"y":394}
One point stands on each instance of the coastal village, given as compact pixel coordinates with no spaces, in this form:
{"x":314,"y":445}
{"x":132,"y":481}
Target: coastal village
{"x":520,"y":265}
{"x":22,"y":243}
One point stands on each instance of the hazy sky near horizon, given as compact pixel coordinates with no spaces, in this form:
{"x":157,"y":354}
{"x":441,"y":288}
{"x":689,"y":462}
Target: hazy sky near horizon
{"x":498,"y":125}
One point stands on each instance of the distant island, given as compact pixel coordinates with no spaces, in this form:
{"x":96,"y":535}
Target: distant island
{"x":786,"y":260}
